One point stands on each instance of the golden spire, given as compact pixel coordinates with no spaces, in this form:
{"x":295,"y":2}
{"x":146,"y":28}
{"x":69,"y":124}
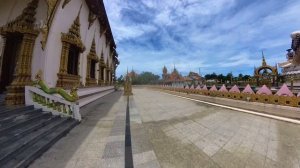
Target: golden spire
{"x":75,"y":28}
{"x":263,"y":59}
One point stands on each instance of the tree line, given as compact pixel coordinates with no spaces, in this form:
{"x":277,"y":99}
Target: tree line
{"x":144,"y":78}
{"x":228,"y":77}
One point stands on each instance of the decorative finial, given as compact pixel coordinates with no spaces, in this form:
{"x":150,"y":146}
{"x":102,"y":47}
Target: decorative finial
{"x":38,"y":75}
{"x":73,"y":92}
{"x":263,"y":59}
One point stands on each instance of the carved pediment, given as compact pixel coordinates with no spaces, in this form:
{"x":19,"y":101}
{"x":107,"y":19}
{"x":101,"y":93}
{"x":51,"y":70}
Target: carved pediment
{"x":92,"y":54}
{"x":73,"y":36}
{"x":24,"y":23}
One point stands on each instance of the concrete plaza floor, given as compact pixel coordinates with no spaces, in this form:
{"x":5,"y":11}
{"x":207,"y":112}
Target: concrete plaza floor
{"x":171,"y":132}
{"x":184,"y":133}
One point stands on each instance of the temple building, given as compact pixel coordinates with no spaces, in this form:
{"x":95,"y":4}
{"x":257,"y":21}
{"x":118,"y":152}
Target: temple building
{"x":291,"y":67}
{"x":175,"y":79}
{"x":70,"y":42}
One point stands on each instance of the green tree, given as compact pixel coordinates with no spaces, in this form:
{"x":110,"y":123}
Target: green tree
{"x":120,"y":80}
{"x":146,"y":78}
{"x":240,"y":77}
{"x":229,"y":77}
{"x":221,"y":78}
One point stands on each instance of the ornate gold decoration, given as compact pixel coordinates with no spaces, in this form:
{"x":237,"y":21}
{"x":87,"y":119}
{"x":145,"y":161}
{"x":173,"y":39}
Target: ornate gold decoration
{"x":71,"y":38}
{"x":102,"y":66}
{"x":261,"y":78}
{"x":23,"y":24}
{"x":127,"y":86}
{"x":65,"y":3}
{"x":38,"y":75}
{"x":107,"y":80}
{"x":92,"y":18}
{"x":91,"y":56}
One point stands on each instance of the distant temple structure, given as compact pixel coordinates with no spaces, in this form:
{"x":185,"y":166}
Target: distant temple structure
{"x":176,"y":79}
{"x":266,"y":74}
{"x":71,"y":42}
{"x":127,"y":85}
{"x":291,"y":68}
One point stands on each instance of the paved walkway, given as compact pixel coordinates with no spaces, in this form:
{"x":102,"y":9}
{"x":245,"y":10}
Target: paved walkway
{"x":171,"y":132}
{"x":98,"y":141}
{"x":184,"y":133}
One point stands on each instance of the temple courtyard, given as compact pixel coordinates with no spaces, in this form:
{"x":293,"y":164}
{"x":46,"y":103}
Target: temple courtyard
{"x":168,"y":131}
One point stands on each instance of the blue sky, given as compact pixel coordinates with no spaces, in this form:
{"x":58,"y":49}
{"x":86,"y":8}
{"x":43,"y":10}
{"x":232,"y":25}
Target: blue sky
{"x":214,"y":35}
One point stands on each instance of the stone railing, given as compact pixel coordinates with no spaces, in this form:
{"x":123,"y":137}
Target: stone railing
{"x":270,"y":99}
{"x":55,"y":100}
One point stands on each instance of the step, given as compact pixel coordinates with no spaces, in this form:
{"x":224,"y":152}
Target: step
{"x":86,"y":100}
{"x":24,"y":158}
{"x":15,"y":134}
{"x":8,"y":110}
{"x":25,"y":142}
{"x":21,"y":123}
{"x":15,"y":116}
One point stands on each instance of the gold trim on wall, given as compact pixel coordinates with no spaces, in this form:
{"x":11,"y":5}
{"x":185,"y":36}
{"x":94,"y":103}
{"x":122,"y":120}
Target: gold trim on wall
{"x":91,"y":56}
{"x":102,"y":66}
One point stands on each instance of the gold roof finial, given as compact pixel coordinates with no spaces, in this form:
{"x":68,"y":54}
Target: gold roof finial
{"x":263,"y":59}
{"x":38,"y":75}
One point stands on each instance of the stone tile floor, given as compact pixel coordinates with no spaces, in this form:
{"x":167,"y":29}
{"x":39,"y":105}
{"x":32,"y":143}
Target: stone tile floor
{"x":184,"y":133}
{"x":171,"y":132}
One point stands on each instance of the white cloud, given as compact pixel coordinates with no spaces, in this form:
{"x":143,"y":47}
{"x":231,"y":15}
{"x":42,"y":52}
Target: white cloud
{"x":218,"y":35}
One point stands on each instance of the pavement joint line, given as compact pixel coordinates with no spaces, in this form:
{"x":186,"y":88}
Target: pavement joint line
{"x":128,"y":145}
{"x":241,"y":110}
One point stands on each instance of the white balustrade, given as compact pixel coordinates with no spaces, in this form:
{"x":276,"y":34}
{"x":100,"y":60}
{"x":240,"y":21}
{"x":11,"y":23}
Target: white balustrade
{"x":52,"y":103}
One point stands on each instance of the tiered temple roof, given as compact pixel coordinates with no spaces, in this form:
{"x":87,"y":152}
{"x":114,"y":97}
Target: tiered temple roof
{"x":175,"y":76}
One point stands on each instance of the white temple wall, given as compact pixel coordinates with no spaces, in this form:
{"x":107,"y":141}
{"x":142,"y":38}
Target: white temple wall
{"x":48,"y":60}
{"x":53,"y":48}
{"x":9,"y":11}
{"x":96,"y":24}
{"x":87,"y":39}
{"x":38,"y":57}
{"x":62,"y":21}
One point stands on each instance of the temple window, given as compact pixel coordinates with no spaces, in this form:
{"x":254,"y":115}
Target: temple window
{"x":92,"y":60}
{"x":73,"y":60}
{"x":102,"y":67}
{"x":93,"y":68}
{"x":72,"y":46}
{"x":16,"y":60}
